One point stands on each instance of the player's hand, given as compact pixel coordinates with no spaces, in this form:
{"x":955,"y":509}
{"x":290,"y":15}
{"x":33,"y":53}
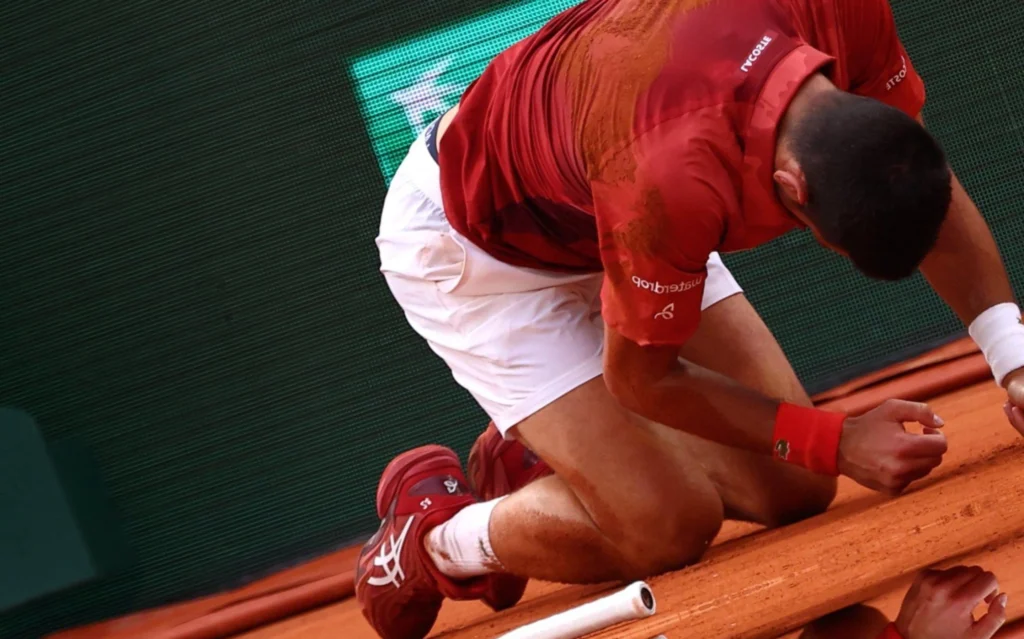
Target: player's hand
{"x":940,"y":603}
{"x":876,"y":451}
{"x":1014,"y":408}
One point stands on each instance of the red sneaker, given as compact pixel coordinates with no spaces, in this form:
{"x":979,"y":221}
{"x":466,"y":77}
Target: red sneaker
{"x":398,"y":587}
{"x":498,"y":467}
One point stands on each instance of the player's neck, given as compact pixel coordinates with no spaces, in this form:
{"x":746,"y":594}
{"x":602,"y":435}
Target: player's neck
{"x":815,"y":86}
{"x":788,"y":175}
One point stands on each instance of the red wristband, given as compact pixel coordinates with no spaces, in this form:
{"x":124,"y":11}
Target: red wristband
{"x":890,"y":632}
{"x":808,"y":437}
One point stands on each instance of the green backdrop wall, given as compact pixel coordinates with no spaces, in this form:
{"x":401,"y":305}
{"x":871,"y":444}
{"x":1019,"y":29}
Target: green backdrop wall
{"x":189,"y":285}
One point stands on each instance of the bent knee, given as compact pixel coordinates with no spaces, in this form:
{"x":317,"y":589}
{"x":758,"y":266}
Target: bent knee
{"x":669,"y":539}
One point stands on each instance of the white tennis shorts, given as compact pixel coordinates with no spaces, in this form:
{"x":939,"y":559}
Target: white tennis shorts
{"x":516,"y":338}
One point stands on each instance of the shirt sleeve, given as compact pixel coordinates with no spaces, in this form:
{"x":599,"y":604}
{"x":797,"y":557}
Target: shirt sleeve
{"x":661,"y":206}
{"x":879,"y":65}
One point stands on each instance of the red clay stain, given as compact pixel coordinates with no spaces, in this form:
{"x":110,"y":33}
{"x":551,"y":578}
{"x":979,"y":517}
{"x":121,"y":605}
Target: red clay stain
{"x":611,"y":63}
{"x":644,"y":235}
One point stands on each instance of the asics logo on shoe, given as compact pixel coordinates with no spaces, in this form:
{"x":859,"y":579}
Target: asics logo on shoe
{"x":389,"y":560}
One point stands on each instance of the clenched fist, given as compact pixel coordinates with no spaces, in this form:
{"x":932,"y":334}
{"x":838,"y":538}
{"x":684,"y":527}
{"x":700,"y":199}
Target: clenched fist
{"x":876,"y":451}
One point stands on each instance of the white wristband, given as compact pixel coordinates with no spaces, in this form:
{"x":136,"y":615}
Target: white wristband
{"x":1000,"y":336}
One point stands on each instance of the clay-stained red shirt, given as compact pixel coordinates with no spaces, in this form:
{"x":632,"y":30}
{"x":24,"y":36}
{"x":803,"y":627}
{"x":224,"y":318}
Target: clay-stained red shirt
{"x":635,"y":137}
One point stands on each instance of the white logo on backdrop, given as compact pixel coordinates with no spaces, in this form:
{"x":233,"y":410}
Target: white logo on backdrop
{"x":427,"y":97}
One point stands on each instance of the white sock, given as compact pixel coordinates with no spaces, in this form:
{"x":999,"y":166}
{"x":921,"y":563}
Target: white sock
{"x":461,"y":546}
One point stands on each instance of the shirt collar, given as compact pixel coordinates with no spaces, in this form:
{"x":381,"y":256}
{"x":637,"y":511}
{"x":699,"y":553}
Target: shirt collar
{"x":761,"y":207}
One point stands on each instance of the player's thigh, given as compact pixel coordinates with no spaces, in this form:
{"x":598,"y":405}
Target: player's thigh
{"x":734,"y":341}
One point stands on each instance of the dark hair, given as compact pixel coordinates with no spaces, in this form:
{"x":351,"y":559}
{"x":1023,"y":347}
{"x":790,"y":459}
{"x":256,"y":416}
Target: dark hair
{"x":878,"y":185}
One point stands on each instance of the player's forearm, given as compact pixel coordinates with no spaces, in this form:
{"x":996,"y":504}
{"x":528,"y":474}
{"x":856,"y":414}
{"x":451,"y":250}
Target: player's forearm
{"x":696,"y":400}
{"x":965,"y":267}
{"x":873,"y":449}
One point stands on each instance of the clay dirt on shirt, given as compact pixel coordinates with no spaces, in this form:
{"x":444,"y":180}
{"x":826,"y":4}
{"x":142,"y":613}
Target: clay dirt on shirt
{"x":635,"y":137}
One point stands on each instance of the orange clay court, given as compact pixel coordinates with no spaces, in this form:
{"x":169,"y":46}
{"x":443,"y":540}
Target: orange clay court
{"x":752,"y":584}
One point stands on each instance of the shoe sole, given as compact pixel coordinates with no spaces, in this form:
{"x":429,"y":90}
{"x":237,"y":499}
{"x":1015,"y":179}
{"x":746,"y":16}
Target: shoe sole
{"x":430,"y":457}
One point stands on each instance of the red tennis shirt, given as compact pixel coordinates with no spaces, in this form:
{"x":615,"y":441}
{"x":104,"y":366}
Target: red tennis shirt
{"x":635,"y":137}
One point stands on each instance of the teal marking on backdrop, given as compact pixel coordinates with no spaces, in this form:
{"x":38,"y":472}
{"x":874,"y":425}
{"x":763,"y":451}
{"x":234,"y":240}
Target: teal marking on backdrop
{"x":403,"y":86}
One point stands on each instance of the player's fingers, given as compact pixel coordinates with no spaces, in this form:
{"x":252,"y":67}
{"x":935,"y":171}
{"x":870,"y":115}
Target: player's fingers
{"x":1016,"y":417}
{"x":929,"y":462}
{"x":977,"y":589}
{"x":989,"y":625}
{"x":917,"y":471}
{"x":951,"y":580}
{"x":904,"y":411}
{"x":927,"y":576}
{"x":912,"y":600}
{"x":927,"y":445}
{"x":900,"y":472}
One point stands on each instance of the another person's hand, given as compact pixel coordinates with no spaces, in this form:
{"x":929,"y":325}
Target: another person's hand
{"x":1014,"y":407}
{"x":876,"y":451}
{"x":940,"y":605}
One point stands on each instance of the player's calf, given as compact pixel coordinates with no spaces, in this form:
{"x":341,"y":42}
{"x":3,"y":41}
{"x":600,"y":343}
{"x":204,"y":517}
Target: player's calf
{"x":672,"y":531}
{"x":668,"y":537}
{"x":658,"y":528}
{"x":788,"y":502}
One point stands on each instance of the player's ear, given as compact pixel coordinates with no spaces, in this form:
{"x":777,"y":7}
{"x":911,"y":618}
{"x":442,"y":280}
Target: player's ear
{"x":793,"y":193}
{"x":793,"y":185}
